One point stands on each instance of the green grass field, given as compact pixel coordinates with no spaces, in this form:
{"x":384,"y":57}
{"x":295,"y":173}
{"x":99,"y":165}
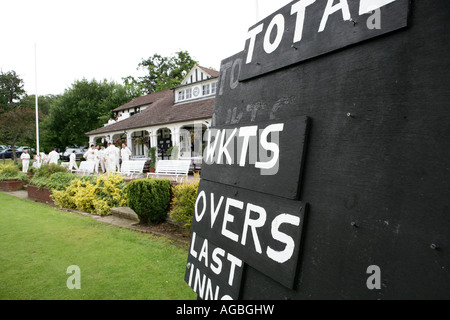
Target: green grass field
{"x":38,"y":244}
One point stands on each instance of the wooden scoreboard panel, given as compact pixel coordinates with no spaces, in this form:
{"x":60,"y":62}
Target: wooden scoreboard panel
{"x":330,"y":150}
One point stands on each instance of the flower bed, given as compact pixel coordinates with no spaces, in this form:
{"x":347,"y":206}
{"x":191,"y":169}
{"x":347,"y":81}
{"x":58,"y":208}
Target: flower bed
{"x":11,"y":178}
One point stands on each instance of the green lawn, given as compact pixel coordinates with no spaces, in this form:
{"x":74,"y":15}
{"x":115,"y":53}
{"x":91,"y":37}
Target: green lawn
{"x":38,"y":244}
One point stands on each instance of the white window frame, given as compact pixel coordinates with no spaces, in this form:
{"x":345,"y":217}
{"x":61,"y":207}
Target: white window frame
{"x":206,"y":89}
{"x":181,"y":95}
{"x":189,"y":93}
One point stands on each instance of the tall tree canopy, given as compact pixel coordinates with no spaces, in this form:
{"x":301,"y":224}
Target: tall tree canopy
{"x":44,"y":103}
{"x":85,"y":106}
{"x":163,"y":72}
{"x":17,"y":123}
{"x":11,"y":90}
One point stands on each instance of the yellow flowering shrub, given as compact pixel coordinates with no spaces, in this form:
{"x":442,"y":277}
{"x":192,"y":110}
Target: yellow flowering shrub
{"x":84,"y":197}
{"x":183,"y":203}
{"x":93,"y":195}
{"x":66,"y":198}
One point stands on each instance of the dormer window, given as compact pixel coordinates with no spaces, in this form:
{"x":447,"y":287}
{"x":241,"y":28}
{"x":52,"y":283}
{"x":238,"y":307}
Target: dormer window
{"x":199,"y":83}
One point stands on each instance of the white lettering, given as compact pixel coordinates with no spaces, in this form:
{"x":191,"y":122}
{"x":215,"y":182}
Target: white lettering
{"x":252,"y":36}
{"x":210,"y":148}
{"x":227,"y":217}
{"x":217,"y":269}
{"x":201,"y":195}
{"x":234,"y":78}
{"x":204,"y":253}
{"x":247,"y":140}
{"x":330,"y":9}
{"x":246,"y":132}
{"x":215,"y":211}
{"x":199,"y":283}
{"x":234,"y":262}
{"x":300,"y":9}
{"x":286,"y":254}
{"x":191,"y":272}
{"x":223,"y":147}
{"x":253,"y":224}
{"x":193,"y":310}
{"x":270,"y":146}
{"x":209,"y":292}
{"x":278,"y":21}
{"x":192,"y":250}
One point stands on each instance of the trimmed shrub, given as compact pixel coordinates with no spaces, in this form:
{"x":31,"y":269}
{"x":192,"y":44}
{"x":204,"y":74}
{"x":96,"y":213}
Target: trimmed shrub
{"x":149,"y":198}
{"x":183,"y":203}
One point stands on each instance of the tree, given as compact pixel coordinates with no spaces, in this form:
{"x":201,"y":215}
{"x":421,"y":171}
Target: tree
{"x":163,"y":72}
{"x":11,"y":90}
{"x":133,"y":87}
{"x":44,"y":103}
{"x":85,"y":106}
{"x":16,"y":124}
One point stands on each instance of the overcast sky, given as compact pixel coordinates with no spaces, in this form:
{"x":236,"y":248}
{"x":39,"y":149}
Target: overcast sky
{"x":106,"y":39}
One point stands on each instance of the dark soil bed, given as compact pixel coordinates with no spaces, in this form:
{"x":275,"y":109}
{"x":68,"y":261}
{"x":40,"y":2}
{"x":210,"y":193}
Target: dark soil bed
{"x":166,"y":229}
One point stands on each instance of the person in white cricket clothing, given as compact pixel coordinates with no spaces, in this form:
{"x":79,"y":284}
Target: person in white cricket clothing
{"x":53,"y":156}
{"x":43,"y":158}
{"x":110,"y":158}
{"x":125,"y":153}
{"x":92,"y":155}
{"x":25,"y":157}
{"x":73,"y":161}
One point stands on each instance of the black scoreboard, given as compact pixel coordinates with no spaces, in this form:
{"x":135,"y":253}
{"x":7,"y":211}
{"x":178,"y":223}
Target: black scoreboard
{"x":326,"y":173}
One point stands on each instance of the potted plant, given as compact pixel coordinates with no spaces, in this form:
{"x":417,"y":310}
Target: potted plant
{"x":152,"y":155}
{"x":173,"y":152}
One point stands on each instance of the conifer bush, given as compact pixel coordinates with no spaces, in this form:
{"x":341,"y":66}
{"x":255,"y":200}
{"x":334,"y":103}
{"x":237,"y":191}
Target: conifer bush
{"x":149,"y":198}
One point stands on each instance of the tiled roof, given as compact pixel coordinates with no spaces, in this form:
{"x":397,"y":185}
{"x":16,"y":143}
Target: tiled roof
{"x":211,"y":72}
{"x":142,"y":101}
{"x":162,"y":110}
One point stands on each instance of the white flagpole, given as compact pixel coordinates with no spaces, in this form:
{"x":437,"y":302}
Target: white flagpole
{"x":257,"y":10}
{"x":37,"y":107}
